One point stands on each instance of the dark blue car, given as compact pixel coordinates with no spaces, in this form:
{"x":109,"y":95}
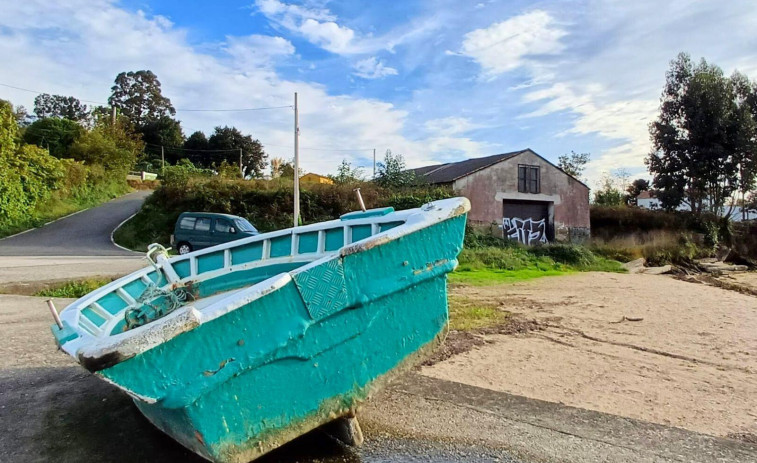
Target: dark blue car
{"x":197,"y":230}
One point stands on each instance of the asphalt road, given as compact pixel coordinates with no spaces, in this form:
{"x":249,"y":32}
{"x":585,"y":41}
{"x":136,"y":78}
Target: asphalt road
{"x":86,"y":233}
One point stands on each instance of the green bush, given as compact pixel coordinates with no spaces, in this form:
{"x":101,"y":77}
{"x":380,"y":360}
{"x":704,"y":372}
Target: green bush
{"x":36,"y":187}
{"x":268,"y":204}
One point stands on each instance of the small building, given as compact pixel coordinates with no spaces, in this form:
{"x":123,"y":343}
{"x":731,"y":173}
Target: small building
{"x":530,"y":198}
{"x":315,"y":178}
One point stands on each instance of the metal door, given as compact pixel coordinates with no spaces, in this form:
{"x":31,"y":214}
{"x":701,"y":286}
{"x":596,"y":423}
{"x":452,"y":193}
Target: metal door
{"x":526,"y":221}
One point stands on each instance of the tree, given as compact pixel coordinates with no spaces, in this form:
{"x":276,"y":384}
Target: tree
{"x":392,"y":172}
{"x":697,"y":138}
{"x":196,"y":146}
{"x":138,"y":96}
{"x":635,"y":189}
{"x":23,"y":119}
{"x":346,"y":174}
{"x":287,"y":170}
{"x":65,"y":107}
{"x":574,"y":163}
{"x":57,"y":135}
{"x":163,"y":132}
{"x":115,"y":147}
{"x":276,"y":165}
{"x":608,"y":193}
{"x":746,"y":135}
{"x":227,"y":141}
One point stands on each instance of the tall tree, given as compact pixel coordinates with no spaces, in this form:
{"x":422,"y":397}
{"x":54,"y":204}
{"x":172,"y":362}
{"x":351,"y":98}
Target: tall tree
{"x":138,"y":96}
{"x":65,"y":107}
{"x":228,"y":141}
{"x":196,"y":146}
{"x":165,"y":132}
{"x":696,"y":138}
{"x":746,"y":135}
{"x":574,"y":163}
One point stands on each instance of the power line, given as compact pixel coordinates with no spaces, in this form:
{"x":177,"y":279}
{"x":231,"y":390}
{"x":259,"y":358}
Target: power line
{"x":236,"y":110}
{"x":319,"y":149}
{"x":177,"y":109}
{"x":40,"y":93}
{"x":190,"y":149}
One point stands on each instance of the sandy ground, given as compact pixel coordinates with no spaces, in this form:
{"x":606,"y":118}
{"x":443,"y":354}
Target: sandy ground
{"x":690,"y":363}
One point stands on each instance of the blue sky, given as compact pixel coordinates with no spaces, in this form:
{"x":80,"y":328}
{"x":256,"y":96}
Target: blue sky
{"x":434,"y":80}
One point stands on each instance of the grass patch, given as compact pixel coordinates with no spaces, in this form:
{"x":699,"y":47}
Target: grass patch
{"x":74,"y":289}
{"x":489,"y":263}
{"x":468,"y":315}
{"x":486,"y":277}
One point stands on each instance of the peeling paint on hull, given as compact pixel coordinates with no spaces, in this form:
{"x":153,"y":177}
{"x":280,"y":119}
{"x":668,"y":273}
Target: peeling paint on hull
{"x":308,"y":352}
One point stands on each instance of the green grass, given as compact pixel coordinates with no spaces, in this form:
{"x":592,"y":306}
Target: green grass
{"x":74,"y":289}
{"x":489,"y":264}
{"x":486,"y":277}
{"x":469,"y":315}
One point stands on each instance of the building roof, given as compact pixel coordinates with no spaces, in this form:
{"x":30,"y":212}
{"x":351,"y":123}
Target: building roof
{"x":451,"y":171}
{"x":646,"y":194}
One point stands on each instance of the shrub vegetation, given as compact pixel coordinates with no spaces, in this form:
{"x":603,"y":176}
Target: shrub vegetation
{"x":267,"y":204}
{"x":87,"y":167}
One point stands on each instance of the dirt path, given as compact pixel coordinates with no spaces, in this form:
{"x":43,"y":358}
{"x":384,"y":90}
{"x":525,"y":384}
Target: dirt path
{"x":691,"y":361}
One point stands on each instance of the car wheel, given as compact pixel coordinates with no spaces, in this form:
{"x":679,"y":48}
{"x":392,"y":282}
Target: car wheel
{"x":184,"y":248}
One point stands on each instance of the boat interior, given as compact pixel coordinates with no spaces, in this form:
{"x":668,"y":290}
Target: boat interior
{"x":206,"y":277}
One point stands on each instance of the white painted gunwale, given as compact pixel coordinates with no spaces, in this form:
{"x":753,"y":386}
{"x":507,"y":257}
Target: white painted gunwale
{"x":143,"y":338}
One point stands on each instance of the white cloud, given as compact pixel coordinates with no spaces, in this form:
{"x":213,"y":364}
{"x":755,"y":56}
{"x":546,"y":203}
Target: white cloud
{"x":317,"y":25}
{"x":624,"y":121}
{"x":257,"y":50}
{"x":452,"y":125}
{"x":77,"y":48}
{"x":510,"y":44}
{"x":372,"y":68}
{"x":320,"y":27}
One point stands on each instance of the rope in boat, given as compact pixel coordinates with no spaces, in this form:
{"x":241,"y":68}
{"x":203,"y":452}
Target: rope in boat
{"x":145,"y":308}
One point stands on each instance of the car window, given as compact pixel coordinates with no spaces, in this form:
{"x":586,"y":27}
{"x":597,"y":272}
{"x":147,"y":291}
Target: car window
{"x":246,"y":226}
{"x":223,"y":226}
{"x":203,"y":224}
{"x":187,"y":223}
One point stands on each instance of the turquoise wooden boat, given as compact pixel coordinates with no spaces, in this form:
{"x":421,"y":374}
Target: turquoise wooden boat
{"x":236,"y":349}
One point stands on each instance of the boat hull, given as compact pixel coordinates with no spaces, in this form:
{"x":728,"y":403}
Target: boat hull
{"x":303,"y":355}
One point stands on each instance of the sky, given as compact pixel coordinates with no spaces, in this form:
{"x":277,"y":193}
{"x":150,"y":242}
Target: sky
{"x":434,"y":80}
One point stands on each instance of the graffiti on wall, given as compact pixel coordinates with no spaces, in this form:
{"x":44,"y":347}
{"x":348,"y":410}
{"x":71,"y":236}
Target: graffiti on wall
{"x":526,"y":231}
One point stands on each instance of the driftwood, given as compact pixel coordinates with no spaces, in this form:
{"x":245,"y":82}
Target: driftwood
{"x":629,"y":319}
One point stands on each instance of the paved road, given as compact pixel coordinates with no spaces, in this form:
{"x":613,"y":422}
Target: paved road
{"x":84,"y":234}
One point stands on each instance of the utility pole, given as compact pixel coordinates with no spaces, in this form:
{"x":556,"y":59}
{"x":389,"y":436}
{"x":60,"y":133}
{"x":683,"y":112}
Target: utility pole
{"x":162,"y":160}
{"x":113,"y":116}
{"x":374,"y":162}
{"x":296,"y":163}
{"x":241,"y":168}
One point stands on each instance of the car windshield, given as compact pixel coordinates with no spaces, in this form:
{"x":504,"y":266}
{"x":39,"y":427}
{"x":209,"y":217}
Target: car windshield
{"x":246,"y":226}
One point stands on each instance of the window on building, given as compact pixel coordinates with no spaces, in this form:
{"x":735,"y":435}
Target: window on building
{"x":203,"y":224}
{"x":529,"y":180}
